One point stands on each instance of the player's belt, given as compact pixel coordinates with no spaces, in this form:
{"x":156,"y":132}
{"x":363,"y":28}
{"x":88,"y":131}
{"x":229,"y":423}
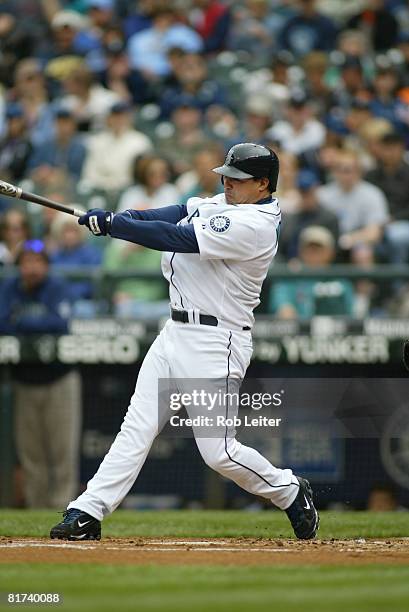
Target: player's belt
{"x":182,"y":316}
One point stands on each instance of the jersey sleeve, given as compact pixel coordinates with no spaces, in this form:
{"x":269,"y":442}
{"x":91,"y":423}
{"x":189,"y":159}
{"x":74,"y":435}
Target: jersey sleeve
{"x":226,"y":236}
{"x":170,"y":214}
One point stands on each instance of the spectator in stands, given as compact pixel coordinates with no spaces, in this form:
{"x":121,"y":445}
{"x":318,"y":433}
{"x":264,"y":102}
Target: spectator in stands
{"x":14,"y":231}
{"x":192,"y":81}
{"x":356,"y":121}
{"x":351,"y":85}
{"x":213,"y":24}
{"x":101,"y":13}
{"x":186,"y":137}
{"x":66,"y":26}
{"x":300,"y":133}
{"x":73,"y":250}
{"x":315,"y":66}
{"x":356,"y":44}
{"x":357,"y":116}
{"x":257,"y":119}
{"x":361,"y":208}
{"x":140,"y":298}
{"x":139,"y":17}
{"x":15,"y":146}
{"x":309,"y":213}
{"x":65,"y":150}
{"x":31,"y":92}
{"x":223,"y":125}
{"x":89,"y":101}
{"x":288,"y":192}
{"x":205,"y":182}
{"x":47,"y":399}
{"x":272,"y":82}
{"x":379,"y":22}
{"x":101,"y":16}
{"x":111,"y":63}
{"x":253,"y":29}
{"x":152,"y":186}
{"x":148,"y":49}
{"x":309,"y":30}
{"x":327,"y":158}
{"x":16,"y":43}
{"x":370,"y":134}
{"x":391,"y":175}
{"x":385,"y":102}
{"x":59,"y":189}
{"x":111,"y":43}
{"x":110,"y":154}
{"x":306,"y":298}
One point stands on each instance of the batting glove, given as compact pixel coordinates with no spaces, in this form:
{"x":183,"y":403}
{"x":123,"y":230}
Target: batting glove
{"x":98,"y":221}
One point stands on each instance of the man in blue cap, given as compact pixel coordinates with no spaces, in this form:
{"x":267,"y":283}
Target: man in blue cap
{"x":47,"y":397}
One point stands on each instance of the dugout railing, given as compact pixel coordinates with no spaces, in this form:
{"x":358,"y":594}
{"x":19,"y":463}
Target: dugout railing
{"x":105,"y":281}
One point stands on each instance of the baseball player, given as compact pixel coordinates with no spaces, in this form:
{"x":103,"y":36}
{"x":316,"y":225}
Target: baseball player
{"x":216,"y":254}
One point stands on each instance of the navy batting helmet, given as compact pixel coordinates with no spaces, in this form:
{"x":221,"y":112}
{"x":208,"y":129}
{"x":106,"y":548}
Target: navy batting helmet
{"x":249,"y":160}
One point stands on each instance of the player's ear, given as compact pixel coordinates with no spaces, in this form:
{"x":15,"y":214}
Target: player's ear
{"x":263,"y":183}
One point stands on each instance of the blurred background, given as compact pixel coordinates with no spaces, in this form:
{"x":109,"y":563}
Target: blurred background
{"x":129,"y":104}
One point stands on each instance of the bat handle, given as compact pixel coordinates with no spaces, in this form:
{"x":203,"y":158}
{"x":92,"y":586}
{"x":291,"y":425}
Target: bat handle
{"x":77,"y":212}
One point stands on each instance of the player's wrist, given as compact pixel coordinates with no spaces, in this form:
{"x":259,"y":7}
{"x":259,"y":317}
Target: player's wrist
{"x":109,"y":217}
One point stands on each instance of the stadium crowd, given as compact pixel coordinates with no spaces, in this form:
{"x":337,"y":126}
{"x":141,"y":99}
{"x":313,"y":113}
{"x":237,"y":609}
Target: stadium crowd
{"x":120,"y":104}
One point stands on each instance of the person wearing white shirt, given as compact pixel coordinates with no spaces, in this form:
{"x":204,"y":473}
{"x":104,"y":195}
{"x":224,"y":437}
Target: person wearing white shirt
{"x":111,"y":153}
{"x":300,"y":133}
{"x":361,"y":207}
{"x":152,"y":188}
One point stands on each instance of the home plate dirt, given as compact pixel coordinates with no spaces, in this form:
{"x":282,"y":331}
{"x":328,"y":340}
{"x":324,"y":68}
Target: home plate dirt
{"x":234,"y":551}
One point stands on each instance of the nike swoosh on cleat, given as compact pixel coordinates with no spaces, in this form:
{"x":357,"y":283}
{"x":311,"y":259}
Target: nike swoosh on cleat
{"x":82,"y":524}
{"x":307,"y":507}
{"x":79,"y":537}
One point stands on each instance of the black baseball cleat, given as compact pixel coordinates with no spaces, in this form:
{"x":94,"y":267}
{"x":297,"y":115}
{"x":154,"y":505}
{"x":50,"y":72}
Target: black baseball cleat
{"x":302,"y":513}
{"x":77,"y":525}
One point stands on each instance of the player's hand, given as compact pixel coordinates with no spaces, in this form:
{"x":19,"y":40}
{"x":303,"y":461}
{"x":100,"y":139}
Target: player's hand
{"x":98,"y":221}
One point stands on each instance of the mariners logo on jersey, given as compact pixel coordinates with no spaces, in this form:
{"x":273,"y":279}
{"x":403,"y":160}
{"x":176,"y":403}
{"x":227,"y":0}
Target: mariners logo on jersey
{"x":220,"y":224}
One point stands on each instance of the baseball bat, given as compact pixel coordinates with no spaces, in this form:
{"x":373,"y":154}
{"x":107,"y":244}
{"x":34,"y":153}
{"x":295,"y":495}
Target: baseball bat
{"x":12,"y":191}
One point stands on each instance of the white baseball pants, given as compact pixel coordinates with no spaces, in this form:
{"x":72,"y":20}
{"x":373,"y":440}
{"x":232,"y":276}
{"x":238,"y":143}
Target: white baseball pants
{"x":184,"y":351}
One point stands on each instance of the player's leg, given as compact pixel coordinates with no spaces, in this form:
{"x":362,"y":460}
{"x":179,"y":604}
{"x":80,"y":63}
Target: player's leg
{"x":124,"y":460}
{"x":249,"y":469}
{"x":216,"y":360}
{"x":63,"y":422}
{"x":226,"y":354}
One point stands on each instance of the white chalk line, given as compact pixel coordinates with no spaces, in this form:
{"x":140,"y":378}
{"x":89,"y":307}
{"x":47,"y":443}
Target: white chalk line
{"x":169,"y":547}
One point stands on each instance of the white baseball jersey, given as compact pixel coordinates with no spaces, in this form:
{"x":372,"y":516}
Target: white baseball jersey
{"x":237,"y":244}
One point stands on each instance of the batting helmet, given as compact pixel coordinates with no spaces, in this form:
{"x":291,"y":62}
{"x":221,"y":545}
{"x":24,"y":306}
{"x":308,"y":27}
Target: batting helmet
{"x":249,"y":160}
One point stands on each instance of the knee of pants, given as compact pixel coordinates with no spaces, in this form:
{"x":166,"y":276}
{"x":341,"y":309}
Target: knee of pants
{"x":215,"y":455}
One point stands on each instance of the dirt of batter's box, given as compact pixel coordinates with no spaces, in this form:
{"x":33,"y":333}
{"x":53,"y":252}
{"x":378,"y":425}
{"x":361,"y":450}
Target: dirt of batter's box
{"x":228,"y":551}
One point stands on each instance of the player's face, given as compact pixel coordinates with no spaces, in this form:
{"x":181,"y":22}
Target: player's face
{"x":244,"y":191}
